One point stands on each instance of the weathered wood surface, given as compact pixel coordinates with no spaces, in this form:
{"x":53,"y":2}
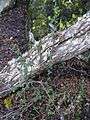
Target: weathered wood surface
{"x":53,"y":48}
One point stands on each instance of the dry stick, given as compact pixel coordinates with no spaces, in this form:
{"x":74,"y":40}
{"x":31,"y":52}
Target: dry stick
{"x":81,"y":71}
{"x":28,"y":105}
{"x":13,"y":112}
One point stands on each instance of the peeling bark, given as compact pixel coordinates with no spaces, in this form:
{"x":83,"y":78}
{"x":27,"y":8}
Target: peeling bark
{"x":53,"y":48}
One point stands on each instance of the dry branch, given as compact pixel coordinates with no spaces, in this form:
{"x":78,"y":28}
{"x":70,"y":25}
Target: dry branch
{"x":53,"y":48}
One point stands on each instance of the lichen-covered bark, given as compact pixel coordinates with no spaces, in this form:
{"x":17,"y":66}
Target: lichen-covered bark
{"x":53,"y":48}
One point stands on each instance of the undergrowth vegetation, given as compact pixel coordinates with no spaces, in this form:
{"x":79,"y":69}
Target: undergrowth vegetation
{"x":55,"y":93}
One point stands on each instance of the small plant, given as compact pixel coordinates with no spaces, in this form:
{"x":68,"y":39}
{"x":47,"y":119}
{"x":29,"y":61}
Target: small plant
{"x":23,"y":101}
{"x":49,"y":72}
{"x":22,"y":60}
{"x":8,"y":102}
{"x":79,"y":101}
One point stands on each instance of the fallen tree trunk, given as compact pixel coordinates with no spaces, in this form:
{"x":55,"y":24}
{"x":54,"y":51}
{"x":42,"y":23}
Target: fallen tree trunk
{"x":53,"y":48}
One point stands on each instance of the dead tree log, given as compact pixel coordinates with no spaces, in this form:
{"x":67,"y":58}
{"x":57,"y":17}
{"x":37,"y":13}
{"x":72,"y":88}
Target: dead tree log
{"x":53,"y":48}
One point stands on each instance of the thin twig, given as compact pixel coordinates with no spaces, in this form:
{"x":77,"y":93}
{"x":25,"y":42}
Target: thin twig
{"x":81,"y":71}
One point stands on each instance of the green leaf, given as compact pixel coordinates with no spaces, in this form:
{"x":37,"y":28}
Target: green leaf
{"x":68,"y":24}
{"x":23,"y":101}
{"x":74,"y":16}
{"x":61,"y":26}
{"x":8,"y":102}
{"x":49,"y":17}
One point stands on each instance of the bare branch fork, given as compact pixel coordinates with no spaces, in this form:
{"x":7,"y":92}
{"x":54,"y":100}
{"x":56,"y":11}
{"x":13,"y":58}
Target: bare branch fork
{"x":53,"y":48}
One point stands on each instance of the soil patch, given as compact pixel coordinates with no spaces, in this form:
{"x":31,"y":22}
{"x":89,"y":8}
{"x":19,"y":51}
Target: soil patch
{"x":12,"y":30}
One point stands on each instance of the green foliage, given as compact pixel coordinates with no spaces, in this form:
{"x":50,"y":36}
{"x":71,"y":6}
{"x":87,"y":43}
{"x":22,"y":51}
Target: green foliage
{"x":61,"y":26}
{"x":22,"y":60}
{"x":8,"y":102}
{"x":16,"y":49}
{"x":49,"y":112}
{"x":23,"y":101}
{"x":38,"y":19}
{"x":61,"y":14}
{"x":38,"y":95}
{"x":79,"y":101}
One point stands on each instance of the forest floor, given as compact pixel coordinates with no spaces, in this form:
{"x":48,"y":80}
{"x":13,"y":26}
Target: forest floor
{"x":56,"y":88}
{"x":12,"y":31}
